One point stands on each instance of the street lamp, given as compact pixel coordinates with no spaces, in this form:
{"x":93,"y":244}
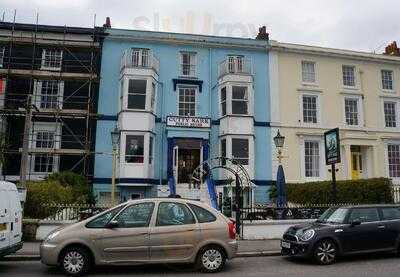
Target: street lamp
{"x":279,"y":140}
{"x":115,"y":136}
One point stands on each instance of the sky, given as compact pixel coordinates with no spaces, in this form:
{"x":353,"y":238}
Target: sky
{"x":364,"y":25}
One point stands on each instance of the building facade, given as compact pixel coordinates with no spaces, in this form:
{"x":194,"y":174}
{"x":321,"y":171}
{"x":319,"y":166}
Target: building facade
{"x":53,"y":70}
{"x":315,"y":89}
{"x":178,"y":100}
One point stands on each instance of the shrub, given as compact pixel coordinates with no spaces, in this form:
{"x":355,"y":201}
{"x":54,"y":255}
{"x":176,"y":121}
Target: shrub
{"x":41,"y":193}
{"x":81,"y":189}
{"x":363,"y":191}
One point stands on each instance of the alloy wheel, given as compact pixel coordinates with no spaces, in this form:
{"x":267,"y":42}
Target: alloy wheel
{"x":73,"y":262}
{"x":326,"y":252}
{"x":212,"y":259}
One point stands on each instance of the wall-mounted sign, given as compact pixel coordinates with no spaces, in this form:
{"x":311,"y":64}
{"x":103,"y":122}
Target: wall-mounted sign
{"x":332,"y":146}
{"x":188,"y":122}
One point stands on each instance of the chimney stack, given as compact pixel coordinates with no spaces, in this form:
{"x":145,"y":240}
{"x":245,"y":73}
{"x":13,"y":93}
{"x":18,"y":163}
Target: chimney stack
{"x":108,"y":23}
{"x":392,"y":49}
{"x":262,"y":33}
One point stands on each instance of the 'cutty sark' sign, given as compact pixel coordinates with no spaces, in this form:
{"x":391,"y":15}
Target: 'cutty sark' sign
{"x":188,"y":122}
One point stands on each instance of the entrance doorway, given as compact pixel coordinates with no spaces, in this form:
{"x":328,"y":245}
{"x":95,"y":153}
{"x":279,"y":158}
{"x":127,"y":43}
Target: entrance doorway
{"x":187,"y":156}
{"x":356,"y":162}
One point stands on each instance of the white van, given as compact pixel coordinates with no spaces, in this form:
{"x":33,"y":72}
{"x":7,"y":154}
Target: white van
{"x":10,"y":219}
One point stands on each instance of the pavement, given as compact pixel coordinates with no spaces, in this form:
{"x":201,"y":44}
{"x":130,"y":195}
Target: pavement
{"x":247,"y":248}
{"x":382,"y":265}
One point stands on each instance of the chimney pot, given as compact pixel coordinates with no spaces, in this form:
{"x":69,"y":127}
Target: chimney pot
{"x":108,"y":23}
{"x":262,"y":33}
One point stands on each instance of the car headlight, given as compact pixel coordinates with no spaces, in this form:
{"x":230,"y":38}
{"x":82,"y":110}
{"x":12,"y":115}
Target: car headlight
{"x":307,"y":235}
{"x":52,"y":235}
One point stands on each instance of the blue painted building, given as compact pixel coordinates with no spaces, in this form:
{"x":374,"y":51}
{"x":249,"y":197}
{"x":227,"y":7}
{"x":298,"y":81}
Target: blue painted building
{"x":178,"y":99}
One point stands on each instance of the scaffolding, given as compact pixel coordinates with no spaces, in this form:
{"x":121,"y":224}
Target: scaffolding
{"x":73,"y":115}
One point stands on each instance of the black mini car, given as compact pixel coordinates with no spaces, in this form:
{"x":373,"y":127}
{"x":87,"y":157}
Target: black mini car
{"x":345,"y":230}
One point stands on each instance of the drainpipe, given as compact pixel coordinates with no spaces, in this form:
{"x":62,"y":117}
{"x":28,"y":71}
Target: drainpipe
{"x":162,"y":132}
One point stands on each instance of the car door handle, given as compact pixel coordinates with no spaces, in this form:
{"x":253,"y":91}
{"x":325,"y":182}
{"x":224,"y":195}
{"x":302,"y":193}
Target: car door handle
{"x":381,"y":227}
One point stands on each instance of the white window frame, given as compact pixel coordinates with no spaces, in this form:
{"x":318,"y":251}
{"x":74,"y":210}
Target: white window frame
{"x":396,"y":113}
{"x":45,"y":127}
{"x":322,"y":169}
{"x":146,"y":95}
{"x":382,"y":80}
{"x":360,"y":111}
{"x":38,"y":86}
{"x":2,"y":52}
{"x":394,"y":142}
{"x":144,"y":148}
{"x":54,"y":68}
{"x":235,"y":63}
{"x":246,"y":99}
{"x":141,"y":57}
{"x":192,"y":64}
{"x":307,"y":82}
{"x":396,"y":101}
{"x":318,"y":107}
{"x":196,"y":90}
{"x":354,"y":76}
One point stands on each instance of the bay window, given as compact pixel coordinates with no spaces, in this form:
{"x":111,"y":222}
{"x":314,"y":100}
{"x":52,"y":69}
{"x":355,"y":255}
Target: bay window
{"x":137,"y":94}
{"x":239,"y":100}
{"x":223,"y":101}
{"x":240,"y":150}
{"x":134,"y":149}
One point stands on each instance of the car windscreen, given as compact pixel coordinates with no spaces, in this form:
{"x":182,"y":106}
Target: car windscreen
{"x":333,"y":215}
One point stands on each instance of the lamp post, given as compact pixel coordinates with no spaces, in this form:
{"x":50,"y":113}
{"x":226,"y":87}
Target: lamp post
{"x":115,"y":136}
{"x":279,"y":140}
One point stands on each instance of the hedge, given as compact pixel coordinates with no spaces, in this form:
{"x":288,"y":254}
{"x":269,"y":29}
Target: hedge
{"x":363,"y":191}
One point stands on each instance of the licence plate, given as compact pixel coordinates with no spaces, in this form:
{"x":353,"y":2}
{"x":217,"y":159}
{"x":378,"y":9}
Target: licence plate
{"x":285,"y":244}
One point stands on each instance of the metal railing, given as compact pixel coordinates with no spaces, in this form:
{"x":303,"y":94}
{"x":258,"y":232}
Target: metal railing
{"x":235,"y":66}
{"x":131,"y":58}
{"x":396,"y":194}
{"x":65,"y":212}
{"x":289,"y":212}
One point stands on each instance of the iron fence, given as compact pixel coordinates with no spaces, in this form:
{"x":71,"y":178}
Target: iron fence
{"x":396,"y":194}
{"x":288,"y":212}
{"x":66,"y":212}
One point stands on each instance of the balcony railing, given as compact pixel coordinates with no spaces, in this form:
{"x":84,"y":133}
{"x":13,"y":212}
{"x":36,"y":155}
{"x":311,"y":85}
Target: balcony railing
{"x":139,"y":58}
{"x":235,"y":66}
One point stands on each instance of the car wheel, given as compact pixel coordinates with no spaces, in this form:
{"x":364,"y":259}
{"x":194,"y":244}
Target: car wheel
{"x":325,"y":252}
{"x":75,"y":261}
{"x":211,"y":259}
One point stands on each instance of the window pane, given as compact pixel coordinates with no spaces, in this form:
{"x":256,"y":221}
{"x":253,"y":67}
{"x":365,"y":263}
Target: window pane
{"x":223,"y":101}
{"x":151,"y":150}
{"x":134,"y":149}
{"x":240,"y":150}
{"x":202,"y":214}
{"x":187,"y":101}
{"x":174,"y":214}
{"x":309,"y":109}
{"x":223,"y":150}
{"x":102,"y":220}
{"x":348,"y":76}
{"x":391,"y":213}
{"x":136,"y":101}
{"x":138,"y":215}
{"x":311,"y":158}
{"x":394,"y":160}
{"x":387,"y":79}
{"x":239,"y":100}
{"x":351,"y":110}
{"x":390,"y":114}
{"x":308,"y":72}
{"x":137,"y":86}
{"x":364,"y":215}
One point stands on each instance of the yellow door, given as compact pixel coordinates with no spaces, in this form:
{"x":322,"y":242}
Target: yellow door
{"x":356,"y":165}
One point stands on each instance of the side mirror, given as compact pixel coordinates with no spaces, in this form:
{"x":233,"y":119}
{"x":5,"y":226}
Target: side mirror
{"x":112,"y":224}
{"x":355,"y":223}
